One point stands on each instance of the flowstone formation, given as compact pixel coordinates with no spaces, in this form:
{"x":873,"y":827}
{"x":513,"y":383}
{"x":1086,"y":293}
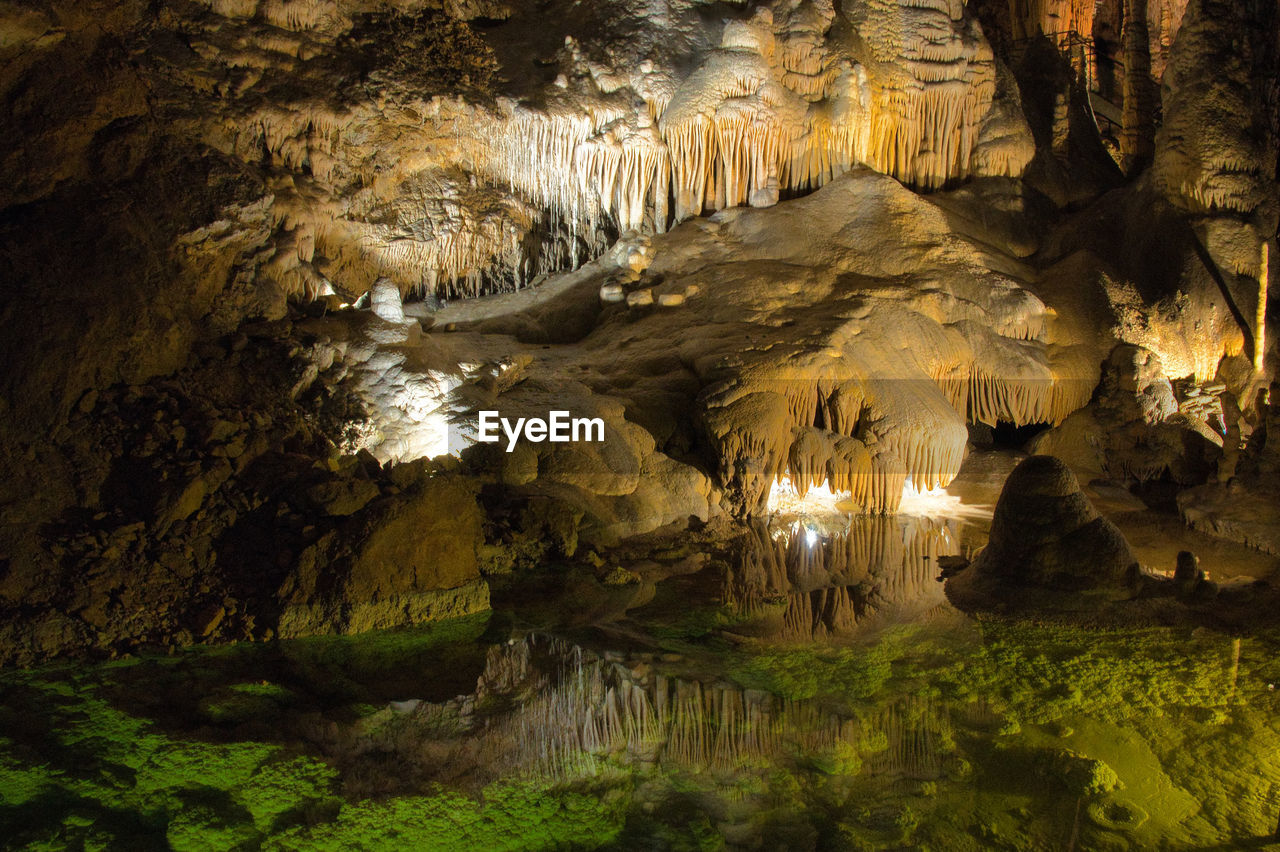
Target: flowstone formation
{"x":774,"y":249}
{"x":813,"y":343}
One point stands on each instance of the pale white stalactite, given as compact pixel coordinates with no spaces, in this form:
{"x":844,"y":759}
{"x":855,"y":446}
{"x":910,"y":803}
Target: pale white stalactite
{"x":301,"y":14}
{"x":784,"y":104}
{"x":233,"y":8}
{"x":774,"y":110}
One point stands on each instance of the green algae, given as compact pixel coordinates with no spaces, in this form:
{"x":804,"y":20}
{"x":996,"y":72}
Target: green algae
{"x":104,"y":761}
{"x":1032,"y":735}
{"x":1130,"y":738}
{"x":93,"y":759}
{"x":507,"y":816}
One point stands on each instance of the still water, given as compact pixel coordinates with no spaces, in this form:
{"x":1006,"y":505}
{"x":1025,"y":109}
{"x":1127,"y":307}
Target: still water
{"x":804,"y":685}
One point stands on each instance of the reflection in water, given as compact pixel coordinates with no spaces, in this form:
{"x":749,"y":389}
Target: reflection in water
{"x":583,"y":706}
{"x":829,"y":584}
{"x":806,"y":689}
{"x":917,"y":738}
{"x":571,"y":709}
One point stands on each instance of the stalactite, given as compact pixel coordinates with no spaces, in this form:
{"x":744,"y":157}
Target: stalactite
{"x":780,"y":107}
{"x":877,"y":432}
{"x":588,"y":707}
{"x":774,"y":110}
{"x":831,"y":582}
{"x":299,"y":14}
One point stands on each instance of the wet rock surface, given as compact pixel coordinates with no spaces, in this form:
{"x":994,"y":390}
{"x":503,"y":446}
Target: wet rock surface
{"x":1045,"y":533}
{"x":221,"y":503}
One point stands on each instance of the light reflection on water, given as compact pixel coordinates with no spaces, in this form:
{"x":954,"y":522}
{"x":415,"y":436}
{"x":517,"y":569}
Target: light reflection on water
{"x":793,"y":584}
{"x":809,"y":688}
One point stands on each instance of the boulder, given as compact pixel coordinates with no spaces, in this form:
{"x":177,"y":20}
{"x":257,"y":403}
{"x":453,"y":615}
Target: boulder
{"x":406,"y":560}
{"x":1133,"y":429}
{"x":1046,"y":533}
{"x":342,"y":496}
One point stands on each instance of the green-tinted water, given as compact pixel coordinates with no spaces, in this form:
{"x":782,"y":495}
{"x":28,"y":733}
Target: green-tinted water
{"x":812,"y":692}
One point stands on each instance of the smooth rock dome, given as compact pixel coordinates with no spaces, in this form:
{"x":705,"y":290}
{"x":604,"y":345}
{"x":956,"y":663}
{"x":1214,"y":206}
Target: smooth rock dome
{"x":1045,"y":532}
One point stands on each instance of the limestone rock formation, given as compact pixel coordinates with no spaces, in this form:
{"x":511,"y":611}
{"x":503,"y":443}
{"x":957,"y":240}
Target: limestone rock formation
{"x":1214,"y":151}
{"x":1046,"y":534}
{"x":1245,"y":505}
{"x":230,"y":503}
{"x":412,"y":560}
{"x":817,"y":347}
{"x":1135,"y":428}
{"x":264,"y":261}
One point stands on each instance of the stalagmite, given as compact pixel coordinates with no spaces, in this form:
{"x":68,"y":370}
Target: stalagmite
{"x":1137,"y":138}
{"x":384,"y":300}
{"x":1260,"y":315}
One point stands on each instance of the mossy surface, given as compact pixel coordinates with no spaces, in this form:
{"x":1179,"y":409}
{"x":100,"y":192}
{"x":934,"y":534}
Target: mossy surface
{"x":203,"y":751}
{"x":1139,"y":738}
{"x":943,"y":734}
{"x":507,"y":816}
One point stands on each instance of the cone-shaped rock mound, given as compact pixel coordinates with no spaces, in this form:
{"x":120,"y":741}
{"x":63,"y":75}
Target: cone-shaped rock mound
{"x":1045,"y":532}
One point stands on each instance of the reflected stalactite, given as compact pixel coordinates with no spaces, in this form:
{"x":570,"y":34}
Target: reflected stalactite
{"x":796,"y":584}
{"x":579,"y":708}
{"x":582,"y":707}
{"x":550,"y":709}
{"x":918,"y":735}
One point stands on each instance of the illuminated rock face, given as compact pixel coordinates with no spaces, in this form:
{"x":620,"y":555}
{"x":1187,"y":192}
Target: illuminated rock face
{"x":815,"y":276}
{"x":880,"y":387}
{"x":1135,"y":429}
{"x":1212,"y":152}
{"x":820,"y":344}
{"x":396,"y":177}
{"x":792,"y":97}
{"x":813,"y":342}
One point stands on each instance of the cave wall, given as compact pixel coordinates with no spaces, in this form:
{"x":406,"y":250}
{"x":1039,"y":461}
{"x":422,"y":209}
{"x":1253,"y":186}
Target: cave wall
{"x":183,"y":169}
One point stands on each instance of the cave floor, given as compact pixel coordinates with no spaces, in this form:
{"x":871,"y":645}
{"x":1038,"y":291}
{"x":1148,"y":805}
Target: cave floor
{"x":805,"y":684}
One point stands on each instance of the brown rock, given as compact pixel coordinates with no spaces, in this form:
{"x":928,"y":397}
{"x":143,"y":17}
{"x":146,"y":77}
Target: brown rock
{"x":413,"y":558}
{"x":1046,"y":533}
{"x":340,"y":497}
{"x":206,"y":619}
